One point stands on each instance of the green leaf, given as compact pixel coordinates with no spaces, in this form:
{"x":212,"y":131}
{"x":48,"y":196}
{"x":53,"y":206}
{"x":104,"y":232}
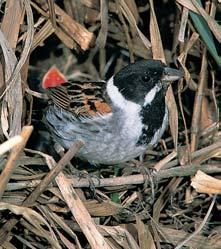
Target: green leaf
{"x":206,"y":35}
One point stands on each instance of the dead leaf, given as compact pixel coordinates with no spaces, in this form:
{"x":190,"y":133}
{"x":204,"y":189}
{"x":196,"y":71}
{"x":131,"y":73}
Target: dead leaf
{"x":204,"y":183}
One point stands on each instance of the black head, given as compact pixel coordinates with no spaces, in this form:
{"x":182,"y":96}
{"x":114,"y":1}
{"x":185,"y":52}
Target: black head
{"x":136,"y":80}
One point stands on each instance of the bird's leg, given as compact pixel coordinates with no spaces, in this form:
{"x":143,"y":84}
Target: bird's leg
{"x":148,"y":173}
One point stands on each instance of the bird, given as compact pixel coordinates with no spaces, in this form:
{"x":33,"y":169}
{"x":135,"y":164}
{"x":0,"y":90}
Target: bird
{"x":118,"y":119}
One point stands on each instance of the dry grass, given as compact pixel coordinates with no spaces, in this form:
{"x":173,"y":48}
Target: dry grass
{"x":43,"y":202}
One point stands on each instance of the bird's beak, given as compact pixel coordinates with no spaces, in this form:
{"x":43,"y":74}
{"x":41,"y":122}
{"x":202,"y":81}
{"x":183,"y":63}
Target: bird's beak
{"x":170,"y":74}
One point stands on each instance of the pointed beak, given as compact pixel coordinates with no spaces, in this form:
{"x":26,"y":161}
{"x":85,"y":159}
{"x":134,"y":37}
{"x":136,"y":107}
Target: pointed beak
{"x":171,"y":74}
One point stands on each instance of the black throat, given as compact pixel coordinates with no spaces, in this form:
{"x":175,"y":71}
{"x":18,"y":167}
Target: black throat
{"x":152,"y":118}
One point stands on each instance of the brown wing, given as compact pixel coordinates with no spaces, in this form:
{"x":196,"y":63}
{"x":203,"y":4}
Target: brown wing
{"x":81,"y":98}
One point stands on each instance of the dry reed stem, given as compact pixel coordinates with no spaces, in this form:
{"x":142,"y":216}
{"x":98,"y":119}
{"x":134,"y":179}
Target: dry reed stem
{"x":9,"y":167}
{"x":52,"y":15}
{"x":198,"y":104}
{"x":159,"y":165}
{"x":195,"y":7}
{"x":145,"y":237}
{"x":9,"y":144}
{"x":130,"y":189}
{"x":53,"y":173}
{"x":79,"y":211}
{"x":204,"y":183}
{"x":179,"y":171}
{"x":12,"y":106}
{"x":183,"y":24}
{"x":200,"y":227}
{"x":158,"y":53}
{"x":40,"y":36}
{"x":74,"y":203}
{"x":82,"y":36}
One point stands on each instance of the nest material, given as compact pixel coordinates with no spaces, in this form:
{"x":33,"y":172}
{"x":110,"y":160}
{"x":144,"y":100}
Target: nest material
{"x":44,"y":204}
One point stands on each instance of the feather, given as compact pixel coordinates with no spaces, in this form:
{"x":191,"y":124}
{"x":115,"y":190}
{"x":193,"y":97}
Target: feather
{"x":82,"y":99}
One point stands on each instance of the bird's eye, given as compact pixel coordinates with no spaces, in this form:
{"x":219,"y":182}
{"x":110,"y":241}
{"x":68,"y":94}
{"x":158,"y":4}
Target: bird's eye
{"x":145,"y":78}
